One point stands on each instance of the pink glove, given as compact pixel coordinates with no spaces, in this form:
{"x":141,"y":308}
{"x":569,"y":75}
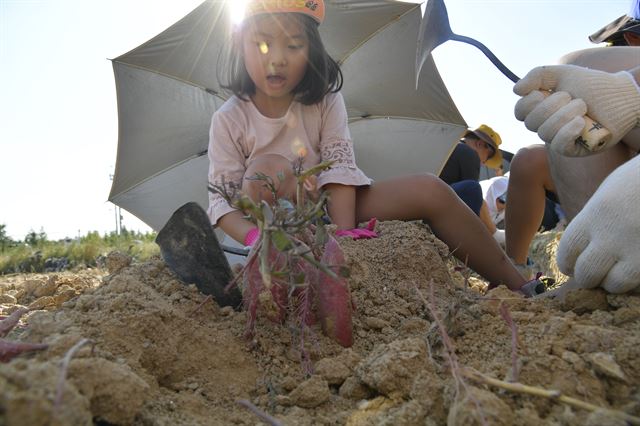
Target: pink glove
{"x":251,"y":237}
{"x":360,"y":233}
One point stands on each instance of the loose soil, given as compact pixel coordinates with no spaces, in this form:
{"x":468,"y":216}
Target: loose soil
{"x":156,"y":356}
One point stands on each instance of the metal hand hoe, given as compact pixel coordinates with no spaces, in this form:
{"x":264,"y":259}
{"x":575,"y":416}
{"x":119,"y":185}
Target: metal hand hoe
{"x":435,"y":30}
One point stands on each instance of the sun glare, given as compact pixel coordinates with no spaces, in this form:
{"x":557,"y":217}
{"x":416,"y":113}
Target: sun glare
{"x":237,"y":8}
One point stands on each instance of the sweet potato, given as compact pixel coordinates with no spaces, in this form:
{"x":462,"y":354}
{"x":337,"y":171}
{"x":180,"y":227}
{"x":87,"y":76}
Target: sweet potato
{"x":274,"y":301}
{"x":303,"y":298}
{"x":333,"y":297}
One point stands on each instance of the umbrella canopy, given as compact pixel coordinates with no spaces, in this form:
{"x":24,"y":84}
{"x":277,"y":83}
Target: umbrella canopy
{"x":167,"y":91}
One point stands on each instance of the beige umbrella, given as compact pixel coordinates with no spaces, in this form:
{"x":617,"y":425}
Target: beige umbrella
{"x":167,"y":91}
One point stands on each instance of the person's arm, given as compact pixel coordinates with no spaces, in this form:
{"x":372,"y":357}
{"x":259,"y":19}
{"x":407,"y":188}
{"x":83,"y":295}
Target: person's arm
{"x":235,"y":225}
{"x":226,"y":161}
{"x":341,"y":179}
{"x":342,"y":205}
{"x":470,"y":165}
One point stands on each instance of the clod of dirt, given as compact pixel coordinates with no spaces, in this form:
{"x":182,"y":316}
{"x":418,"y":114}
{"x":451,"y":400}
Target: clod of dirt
{"x":583,"y":301}
{"x":391,"y":369}
{"x":309,"y":394}
{"x":479,"y":407}
{"x":116,"y":261}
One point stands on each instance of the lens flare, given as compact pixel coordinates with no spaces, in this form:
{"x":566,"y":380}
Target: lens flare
{"x":264,"y":48}
{"x":298,"y":148}
{"x":236,"y":10}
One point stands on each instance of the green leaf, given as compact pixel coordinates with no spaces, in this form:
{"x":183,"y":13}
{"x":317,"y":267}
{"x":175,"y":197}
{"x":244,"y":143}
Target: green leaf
{"x":281,"y":240}
{"x":301,"y":249}
{"x":299,"y":278}
{"x":267,"y":212}
{"x":280,"y":274}
{"x":321,"y":234}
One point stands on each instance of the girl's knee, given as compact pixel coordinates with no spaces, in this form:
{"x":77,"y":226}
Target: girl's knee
{"x":428,"y":181}
{"x":430,"y":187}
{"x":269,"y":164}
{"x":279,"y":171}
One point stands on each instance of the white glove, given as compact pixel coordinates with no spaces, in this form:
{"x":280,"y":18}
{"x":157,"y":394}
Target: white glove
{"x":613,"y":100}
{"x":601,"y":246}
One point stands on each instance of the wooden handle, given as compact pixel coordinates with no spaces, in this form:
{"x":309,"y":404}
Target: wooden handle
{"x":594,"y":136}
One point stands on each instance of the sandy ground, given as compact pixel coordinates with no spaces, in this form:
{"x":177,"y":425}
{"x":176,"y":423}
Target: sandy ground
{"x":154,"y":357}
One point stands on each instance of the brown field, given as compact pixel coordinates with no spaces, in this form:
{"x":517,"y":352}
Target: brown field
{"x":154,"y":357}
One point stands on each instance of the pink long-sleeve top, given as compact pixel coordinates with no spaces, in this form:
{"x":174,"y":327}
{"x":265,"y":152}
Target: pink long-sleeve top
{"x":319,"y":132}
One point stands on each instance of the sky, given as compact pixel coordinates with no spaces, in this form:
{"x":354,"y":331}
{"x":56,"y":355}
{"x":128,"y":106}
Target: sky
{"x":58,"y":111}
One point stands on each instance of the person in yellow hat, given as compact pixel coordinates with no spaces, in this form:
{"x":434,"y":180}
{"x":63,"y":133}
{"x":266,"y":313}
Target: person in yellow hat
{"x":477,"y":147}
{"x":462,"y":170}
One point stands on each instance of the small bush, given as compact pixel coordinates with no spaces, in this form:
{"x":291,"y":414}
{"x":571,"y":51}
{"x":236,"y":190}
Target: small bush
{"x":46,"y":256}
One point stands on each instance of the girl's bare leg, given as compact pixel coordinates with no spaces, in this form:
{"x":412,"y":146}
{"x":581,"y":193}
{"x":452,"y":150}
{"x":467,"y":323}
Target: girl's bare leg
{"x":426,"y":197}
{"x":529,"y":177}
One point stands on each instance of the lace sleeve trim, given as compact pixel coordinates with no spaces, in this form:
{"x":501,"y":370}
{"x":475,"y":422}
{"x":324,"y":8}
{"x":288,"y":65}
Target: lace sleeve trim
{"x":339,"y":151}
{"x":344,"y":169}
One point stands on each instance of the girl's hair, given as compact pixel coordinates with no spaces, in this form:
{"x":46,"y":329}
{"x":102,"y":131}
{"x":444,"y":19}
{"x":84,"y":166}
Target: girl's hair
{"x":323,"y":74}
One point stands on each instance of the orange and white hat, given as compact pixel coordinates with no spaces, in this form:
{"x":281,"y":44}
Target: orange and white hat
{"x":313,"y":8}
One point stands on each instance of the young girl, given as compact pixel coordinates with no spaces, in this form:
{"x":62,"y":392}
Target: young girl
{"x":286,"y":105}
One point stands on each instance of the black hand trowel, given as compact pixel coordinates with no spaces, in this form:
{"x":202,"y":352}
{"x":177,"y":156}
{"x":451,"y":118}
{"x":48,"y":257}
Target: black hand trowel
{"x":190,"y":248}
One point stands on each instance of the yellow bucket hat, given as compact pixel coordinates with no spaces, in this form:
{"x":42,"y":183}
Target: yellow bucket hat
{"x":313,"y":8}
{"x":488,"y":135}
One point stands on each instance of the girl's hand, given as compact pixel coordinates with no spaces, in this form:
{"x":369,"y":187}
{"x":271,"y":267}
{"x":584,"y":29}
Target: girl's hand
{"x":311,"y":186}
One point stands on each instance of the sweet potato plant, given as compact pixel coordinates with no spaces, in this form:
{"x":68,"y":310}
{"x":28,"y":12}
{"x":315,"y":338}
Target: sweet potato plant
{"x":296,"y":271}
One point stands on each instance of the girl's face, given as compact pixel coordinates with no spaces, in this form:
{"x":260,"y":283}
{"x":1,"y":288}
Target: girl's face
{"x":276,"y":50}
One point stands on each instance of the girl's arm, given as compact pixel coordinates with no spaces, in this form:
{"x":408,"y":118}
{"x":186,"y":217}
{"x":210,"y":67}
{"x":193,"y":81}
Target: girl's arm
{"x":226,"y":161}
{"x":342,"y":205}
{"x":235,"y":225}
{"x":343,"y":176}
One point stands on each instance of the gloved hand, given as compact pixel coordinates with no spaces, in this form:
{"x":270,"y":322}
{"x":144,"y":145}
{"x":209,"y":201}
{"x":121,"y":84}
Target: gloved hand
{"x":360,"y":233}
{"x":613,"y":100}
{"x":601,"y":246}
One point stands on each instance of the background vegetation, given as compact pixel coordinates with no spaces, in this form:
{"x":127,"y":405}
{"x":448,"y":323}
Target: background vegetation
{"x":36,"y":253}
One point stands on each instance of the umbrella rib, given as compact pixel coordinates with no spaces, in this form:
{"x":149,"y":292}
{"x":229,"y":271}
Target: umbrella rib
{"x":172,"y":77}
{"x":391,"y":117}
{"x":373,"y":34}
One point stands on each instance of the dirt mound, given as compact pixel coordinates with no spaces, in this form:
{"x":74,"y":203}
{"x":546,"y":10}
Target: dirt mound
{"x":157,"y":357}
